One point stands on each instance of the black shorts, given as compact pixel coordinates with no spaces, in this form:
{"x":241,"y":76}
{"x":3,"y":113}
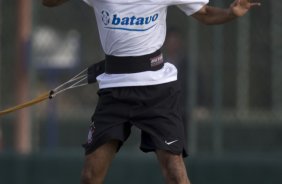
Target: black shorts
{"x":155,"y":110}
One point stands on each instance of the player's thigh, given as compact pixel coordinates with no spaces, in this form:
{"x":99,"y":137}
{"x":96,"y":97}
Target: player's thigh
{"x":97,"y":162}
{"x":171,"y":163}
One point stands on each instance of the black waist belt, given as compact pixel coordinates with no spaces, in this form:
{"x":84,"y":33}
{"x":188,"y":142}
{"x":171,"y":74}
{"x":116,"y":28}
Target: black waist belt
{"x":118,"y":65}
{"x":134,"y":64}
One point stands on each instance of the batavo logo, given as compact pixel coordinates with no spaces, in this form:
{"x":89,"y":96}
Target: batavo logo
{"x":129,"y":23}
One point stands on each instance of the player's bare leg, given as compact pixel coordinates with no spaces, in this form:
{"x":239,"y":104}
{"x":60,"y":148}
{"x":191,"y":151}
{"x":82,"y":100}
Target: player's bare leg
{"x":97,"y":163}
{"x":173,"y":167}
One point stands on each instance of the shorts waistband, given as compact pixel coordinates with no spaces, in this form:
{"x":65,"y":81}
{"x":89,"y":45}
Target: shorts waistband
{"x":134,"y":64}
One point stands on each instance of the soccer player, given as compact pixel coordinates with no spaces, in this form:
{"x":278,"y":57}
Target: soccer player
{"x":138,"y":88}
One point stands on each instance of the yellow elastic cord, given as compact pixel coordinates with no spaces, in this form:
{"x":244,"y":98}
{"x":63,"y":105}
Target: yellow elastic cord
{"x":79,"y":80}
{"x":26,"y":104}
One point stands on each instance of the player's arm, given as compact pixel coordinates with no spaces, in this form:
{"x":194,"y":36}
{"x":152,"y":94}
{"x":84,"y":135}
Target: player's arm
{"x":53,"y":3}
{"x":212,"y":15}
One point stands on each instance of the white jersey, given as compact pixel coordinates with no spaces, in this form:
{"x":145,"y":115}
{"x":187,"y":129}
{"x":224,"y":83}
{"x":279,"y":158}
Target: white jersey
{"x":136,"y":28}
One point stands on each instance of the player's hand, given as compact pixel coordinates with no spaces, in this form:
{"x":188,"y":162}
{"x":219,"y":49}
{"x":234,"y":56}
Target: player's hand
{"x":241,"y":7}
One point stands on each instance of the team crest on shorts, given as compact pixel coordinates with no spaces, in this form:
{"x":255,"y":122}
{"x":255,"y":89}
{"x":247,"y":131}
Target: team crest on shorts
{"x":90,"y":133}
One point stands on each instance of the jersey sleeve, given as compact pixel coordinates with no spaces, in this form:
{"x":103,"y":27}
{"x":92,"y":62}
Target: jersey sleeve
{"x":193,"y":7}
{"x":89,"y":2}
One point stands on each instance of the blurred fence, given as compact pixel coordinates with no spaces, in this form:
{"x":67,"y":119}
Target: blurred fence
{"x":231,"y":77}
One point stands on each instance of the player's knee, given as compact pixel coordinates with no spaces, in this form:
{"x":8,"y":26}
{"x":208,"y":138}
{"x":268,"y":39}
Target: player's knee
{"x":173,"y":167}
{"x":92,"y":176}
{"x":173,"y":177}
{"x":86,"y":177}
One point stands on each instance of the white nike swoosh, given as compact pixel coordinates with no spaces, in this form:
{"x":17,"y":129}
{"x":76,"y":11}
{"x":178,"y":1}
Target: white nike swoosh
{"x":171,"y":142}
